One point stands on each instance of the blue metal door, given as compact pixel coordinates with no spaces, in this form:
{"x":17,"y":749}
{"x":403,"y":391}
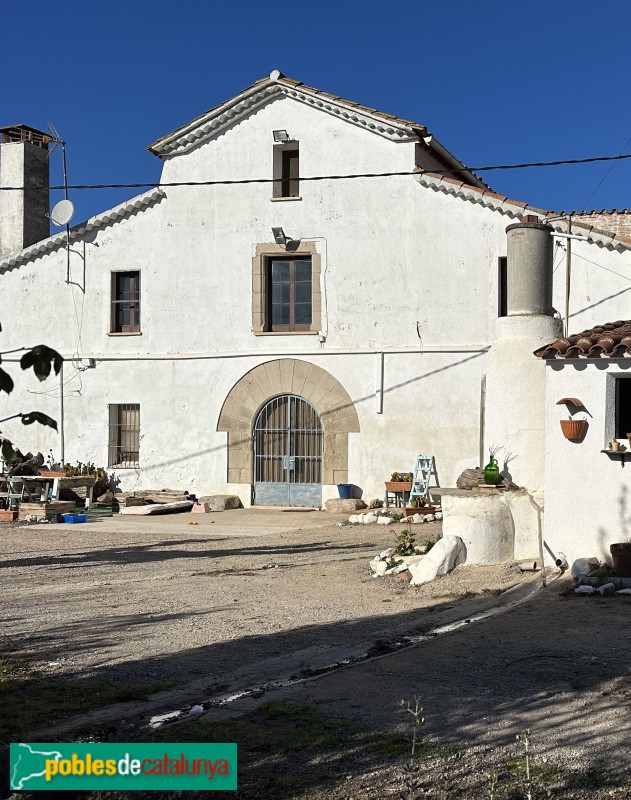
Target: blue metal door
{"x":288,"y":453}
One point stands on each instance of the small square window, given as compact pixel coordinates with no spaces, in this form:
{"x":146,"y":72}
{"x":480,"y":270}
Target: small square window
{"x":125,"y":302}
{"x":124,"y":436}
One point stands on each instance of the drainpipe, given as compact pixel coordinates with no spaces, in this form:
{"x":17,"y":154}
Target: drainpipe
{"x":62,"y":443}
{"x":482,"y":418}
{"x":379,"y":387}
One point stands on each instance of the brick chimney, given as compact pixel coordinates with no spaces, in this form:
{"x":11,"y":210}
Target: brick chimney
{"x":23,"y":213}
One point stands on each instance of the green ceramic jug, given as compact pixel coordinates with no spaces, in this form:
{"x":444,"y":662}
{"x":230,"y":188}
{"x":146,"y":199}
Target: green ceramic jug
{"x":492,"y":473}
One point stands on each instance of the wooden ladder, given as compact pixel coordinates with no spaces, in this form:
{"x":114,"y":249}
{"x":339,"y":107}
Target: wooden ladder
{"x":423,"y":471}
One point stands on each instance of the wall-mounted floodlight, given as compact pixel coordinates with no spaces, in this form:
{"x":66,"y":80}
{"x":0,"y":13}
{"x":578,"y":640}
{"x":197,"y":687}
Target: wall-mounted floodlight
{"x":279,"y":236}
{"x":281,"y":136}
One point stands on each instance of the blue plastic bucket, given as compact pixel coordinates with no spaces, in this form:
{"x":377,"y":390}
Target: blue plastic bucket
{"x":344,"y":490}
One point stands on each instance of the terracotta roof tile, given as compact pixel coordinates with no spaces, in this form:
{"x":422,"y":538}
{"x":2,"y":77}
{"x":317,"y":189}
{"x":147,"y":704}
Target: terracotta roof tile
{"x":612,"y":340}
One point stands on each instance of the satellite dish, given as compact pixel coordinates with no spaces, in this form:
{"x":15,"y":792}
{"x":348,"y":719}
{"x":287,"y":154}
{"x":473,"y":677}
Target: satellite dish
{"x":62,"y":212}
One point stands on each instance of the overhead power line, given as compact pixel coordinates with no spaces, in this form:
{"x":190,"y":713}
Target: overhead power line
{"x":243,"y":181}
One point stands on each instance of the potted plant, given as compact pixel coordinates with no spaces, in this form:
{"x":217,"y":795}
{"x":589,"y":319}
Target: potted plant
{"x":621,"y":551}
{"x":621,"y":557}
{"x":400,"y":482}
{"x":573,"y":429}
{"x":53,"y":469}
{"x":419,"y":505}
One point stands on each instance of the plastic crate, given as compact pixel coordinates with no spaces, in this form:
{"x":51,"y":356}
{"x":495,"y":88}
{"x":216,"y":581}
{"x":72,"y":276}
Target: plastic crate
{"x":73,"y":519}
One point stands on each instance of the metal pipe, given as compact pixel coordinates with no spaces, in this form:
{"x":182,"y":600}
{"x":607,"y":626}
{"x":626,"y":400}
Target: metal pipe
{"x":379,"y":388}
{"x":62,"y":443}
{"x":63,"y":159}
{"x":482,"y":418}
{"x":568,"y":275}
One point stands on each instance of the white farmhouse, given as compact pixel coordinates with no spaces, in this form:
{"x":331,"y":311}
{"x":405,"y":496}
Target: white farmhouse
{"x":274,"y":339}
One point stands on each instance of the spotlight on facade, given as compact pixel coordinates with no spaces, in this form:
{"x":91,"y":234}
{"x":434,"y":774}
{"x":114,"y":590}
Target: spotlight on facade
{"x":279,"y":236}
{"x":281,"y":136}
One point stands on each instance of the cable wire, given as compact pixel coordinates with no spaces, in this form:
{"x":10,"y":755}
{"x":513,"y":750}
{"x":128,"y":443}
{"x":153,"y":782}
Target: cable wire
{"x":245,"y":181}
{"x":606,"y":175}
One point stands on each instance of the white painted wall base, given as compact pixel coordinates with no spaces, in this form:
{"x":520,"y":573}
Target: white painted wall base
{"x":495,"y":528}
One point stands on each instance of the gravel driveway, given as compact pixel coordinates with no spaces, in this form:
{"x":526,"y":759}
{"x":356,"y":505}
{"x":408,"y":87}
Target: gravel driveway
{"x":249,"y":595}
{"x":162,"y":599}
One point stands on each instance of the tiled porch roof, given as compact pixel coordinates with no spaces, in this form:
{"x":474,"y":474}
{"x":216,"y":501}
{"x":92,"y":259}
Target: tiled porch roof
{"x":610,"y":340}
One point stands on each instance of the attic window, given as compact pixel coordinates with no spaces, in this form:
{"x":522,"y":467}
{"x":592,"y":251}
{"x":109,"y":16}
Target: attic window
{"x":286,"y":170}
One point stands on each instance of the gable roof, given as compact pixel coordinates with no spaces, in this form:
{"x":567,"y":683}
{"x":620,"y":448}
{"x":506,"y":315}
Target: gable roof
{"x":276,"y":85}
{"x":126,"y":209}
{"x":611,"y":339}
{"x":515,"y":208}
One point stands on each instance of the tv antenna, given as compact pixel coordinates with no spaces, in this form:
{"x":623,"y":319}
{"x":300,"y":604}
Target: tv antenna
{"x":64,"y":209}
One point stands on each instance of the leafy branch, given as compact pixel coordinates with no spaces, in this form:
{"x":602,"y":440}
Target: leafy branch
{"x":42,"y":360}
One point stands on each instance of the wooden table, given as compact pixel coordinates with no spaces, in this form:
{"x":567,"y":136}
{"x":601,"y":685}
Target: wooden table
{"x":45,"y":483}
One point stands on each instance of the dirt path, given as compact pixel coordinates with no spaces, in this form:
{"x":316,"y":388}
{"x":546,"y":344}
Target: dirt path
{"x":131,"y":601}
{"x":252,"y":594}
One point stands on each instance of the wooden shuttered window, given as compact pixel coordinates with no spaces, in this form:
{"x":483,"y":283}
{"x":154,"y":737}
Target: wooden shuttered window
{"x":125,"y":302}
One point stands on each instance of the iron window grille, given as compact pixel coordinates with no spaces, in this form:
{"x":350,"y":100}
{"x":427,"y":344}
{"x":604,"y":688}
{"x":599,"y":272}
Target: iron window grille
{"x":289,"y":294}
{"x":124,"y":436}
{"x":125,"y":302}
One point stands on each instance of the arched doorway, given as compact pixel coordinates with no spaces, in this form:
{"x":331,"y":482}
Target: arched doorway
{"x":281,"y":377}
{"x":288,"y":445}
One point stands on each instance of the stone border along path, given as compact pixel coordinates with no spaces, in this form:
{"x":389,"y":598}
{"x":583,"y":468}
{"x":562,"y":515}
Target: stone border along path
{"x":449,"y":621}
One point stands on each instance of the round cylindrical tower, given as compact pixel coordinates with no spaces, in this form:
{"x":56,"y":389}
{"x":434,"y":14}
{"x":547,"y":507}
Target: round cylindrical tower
{"x":529,"y":271}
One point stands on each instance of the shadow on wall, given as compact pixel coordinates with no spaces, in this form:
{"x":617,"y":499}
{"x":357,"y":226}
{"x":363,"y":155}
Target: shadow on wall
{"x":366,"y":398}
{"x":623,"y":533}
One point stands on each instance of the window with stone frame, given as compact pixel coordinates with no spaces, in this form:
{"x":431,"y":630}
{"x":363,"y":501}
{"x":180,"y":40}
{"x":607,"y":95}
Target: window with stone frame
{"x":286,"y":291}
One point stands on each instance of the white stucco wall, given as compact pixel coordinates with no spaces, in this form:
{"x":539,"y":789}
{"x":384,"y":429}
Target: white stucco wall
{"x":587,"y":498}
{"x":515,"y":391}
{"x":406,"y":270}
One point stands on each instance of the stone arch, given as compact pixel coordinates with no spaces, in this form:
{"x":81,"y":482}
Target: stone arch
{"x":288,"y":376}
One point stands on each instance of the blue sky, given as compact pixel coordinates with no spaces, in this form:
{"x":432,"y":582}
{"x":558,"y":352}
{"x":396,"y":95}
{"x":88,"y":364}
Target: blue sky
{"x":495,"y":82}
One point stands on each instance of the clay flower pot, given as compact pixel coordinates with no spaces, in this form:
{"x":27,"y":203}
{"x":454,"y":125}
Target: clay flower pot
{"x":573,"y":429}
{"x":621,"y":557}
{"x":399,"y":486}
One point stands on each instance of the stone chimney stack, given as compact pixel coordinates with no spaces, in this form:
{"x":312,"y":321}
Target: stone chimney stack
{"x":514,"y":413}
{"x":529,"y":284}
{"x":23,"y":213}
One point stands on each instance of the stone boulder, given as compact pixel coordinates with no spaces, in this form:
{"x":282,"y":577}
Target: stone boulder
{"x":470,"y":478}
{"x":336,"y":506}
{"x":446,"y":554}
{"x":221,"y":502}
{"x":107,"y":498}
